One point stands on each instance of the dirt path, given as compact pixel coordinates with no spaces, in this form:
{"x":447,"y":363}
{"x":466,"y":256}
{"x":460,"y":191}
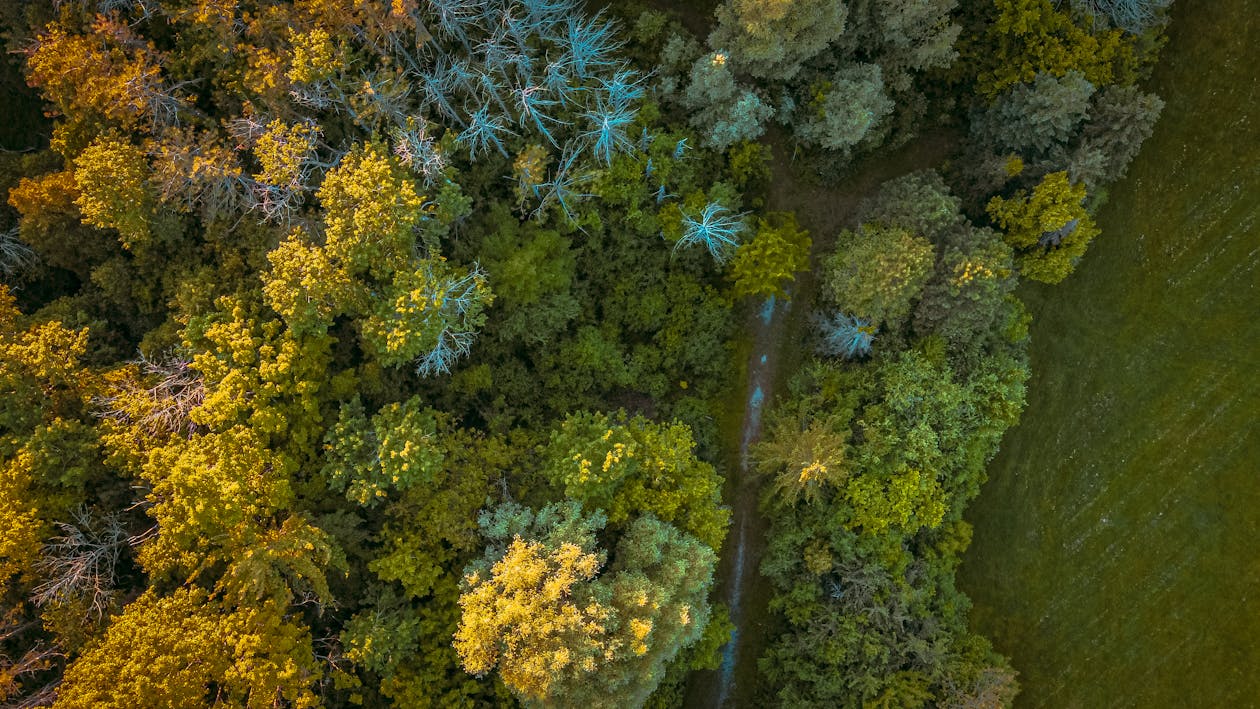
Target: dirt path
{"x":776,"y":330}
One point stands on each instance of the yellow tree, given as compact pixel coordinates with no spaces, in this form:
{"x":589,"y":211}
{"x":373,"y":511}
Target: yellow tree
{"x":114,"y":193}
{"x":42,"y":443}
{"x":306,"y":288}
{"x":1030,"y":37}
{"x":214,"y":498}
{"x":371,"y":211}
{"x":562,"y":630}
{"x":191,"y":650}
{"x":107,"y":72}
{"x":528,"y":606}
{"x":1049,"y":229}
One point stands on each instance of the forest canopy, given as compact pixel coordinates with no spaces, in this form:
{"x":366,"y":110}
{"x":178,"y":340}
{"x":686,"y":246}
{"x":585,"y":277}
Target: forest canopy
{"x":372,"y":354}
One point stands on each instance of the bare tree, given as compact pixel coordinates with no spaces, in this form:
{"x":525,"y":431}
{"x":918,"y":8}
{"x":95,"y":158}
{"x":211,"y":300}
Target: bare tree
{"x":81,"y":563}
{"x":178,"y":389}
{"x":15,"y":256}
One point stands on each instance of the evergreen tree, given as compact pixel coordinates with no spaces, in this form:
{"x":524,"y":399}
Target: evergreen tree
{"x":771,"y":39}
{"x":845,"y":110}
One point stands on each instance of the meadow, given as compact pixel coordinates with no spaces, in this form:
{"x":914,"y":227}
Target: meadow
{"x":1114,"y":553}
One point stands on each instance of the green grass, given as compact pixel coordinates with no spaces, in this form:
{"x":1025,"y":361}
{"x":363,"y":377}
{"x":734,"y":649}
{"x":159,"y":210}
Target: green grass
{"x":1115,"y":556}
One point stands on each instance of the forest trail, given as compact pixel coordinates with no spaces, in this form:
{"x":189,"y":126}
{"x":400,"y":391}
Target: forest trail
{"x":774,"y":333}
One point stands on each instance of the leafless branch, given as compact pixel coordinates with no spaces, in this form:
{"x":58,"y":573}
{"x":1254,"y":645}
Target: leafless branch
{"x":81,"y":563}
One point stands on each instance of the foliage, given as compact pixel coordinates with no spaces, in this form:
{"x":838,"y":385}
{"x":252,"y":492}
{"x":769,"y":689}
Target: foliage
{"x":629,"y":467}
{"x":394,"y":450}
{"x":46,"y":454}
{"x":1030,"y":119}
{"x":869,"y":465}
{"x":429,"y":315}
{"x":778,"y":251}
{"x":532,"y":612}
{"x":721,"y":110}
{"x":430,"y":533}
{"x":1121,"y":119}
{"x":877,"y":272}
{"x":772,"y":38}
{"x":804,"y":458}
{"x":113,"y":194}
{"x":371,"y":210}
{"x":919,"y":202}
{"x":750,"y":163}
{"x":559,"y":631}
{"x":1031,"y":37}
{"x":214,"y":498}
{"x":305,"y":286}
{"x":188,"y":648}
{"x":1048,"y":229}
{"x":905,"y":39}
{"x":257,"y":232}
{"x":846,"y":109}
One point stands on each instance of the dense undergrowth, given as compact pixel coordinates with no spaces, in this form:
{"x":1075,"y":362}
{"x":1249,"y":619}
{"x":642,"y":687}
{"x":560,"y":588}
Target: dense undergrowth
{"x":357,"y":353}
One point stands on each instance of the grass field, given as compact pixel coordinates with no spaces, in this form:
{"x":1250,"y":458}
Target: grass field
{"x":1116,"y":545}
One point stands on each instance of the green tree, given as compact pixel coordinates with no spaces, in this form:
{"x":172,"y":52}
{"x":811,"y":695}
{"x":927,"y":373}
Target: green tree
{"x":967,"y":300}
{"x":658,"y":584}
{"x":52,"y":223}
{"x":845,"y":111}
{"x":1031,"y":119}
{"x":920,"y":203}
{"x":803,"y":459}
{"x":47,"y":454}
{"x":260,"y":375}
{"x":396,"y":449}
{"x":778,"y":251}
{"x":529,"y":608}
{"x":1049,"y":229}
{"x":631,"y":466}
{"x":877,"y":272}
{"x":429,"y":535}
{"x":903,"y":38}
{"x":907,"y":500}
{"x":428,"y":315}
{"x":533,"y":271}
{"x":771,"y":39}
{"x":286,"y":156}
{"x":721,"y":110}
{"x":1121,"y":119}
